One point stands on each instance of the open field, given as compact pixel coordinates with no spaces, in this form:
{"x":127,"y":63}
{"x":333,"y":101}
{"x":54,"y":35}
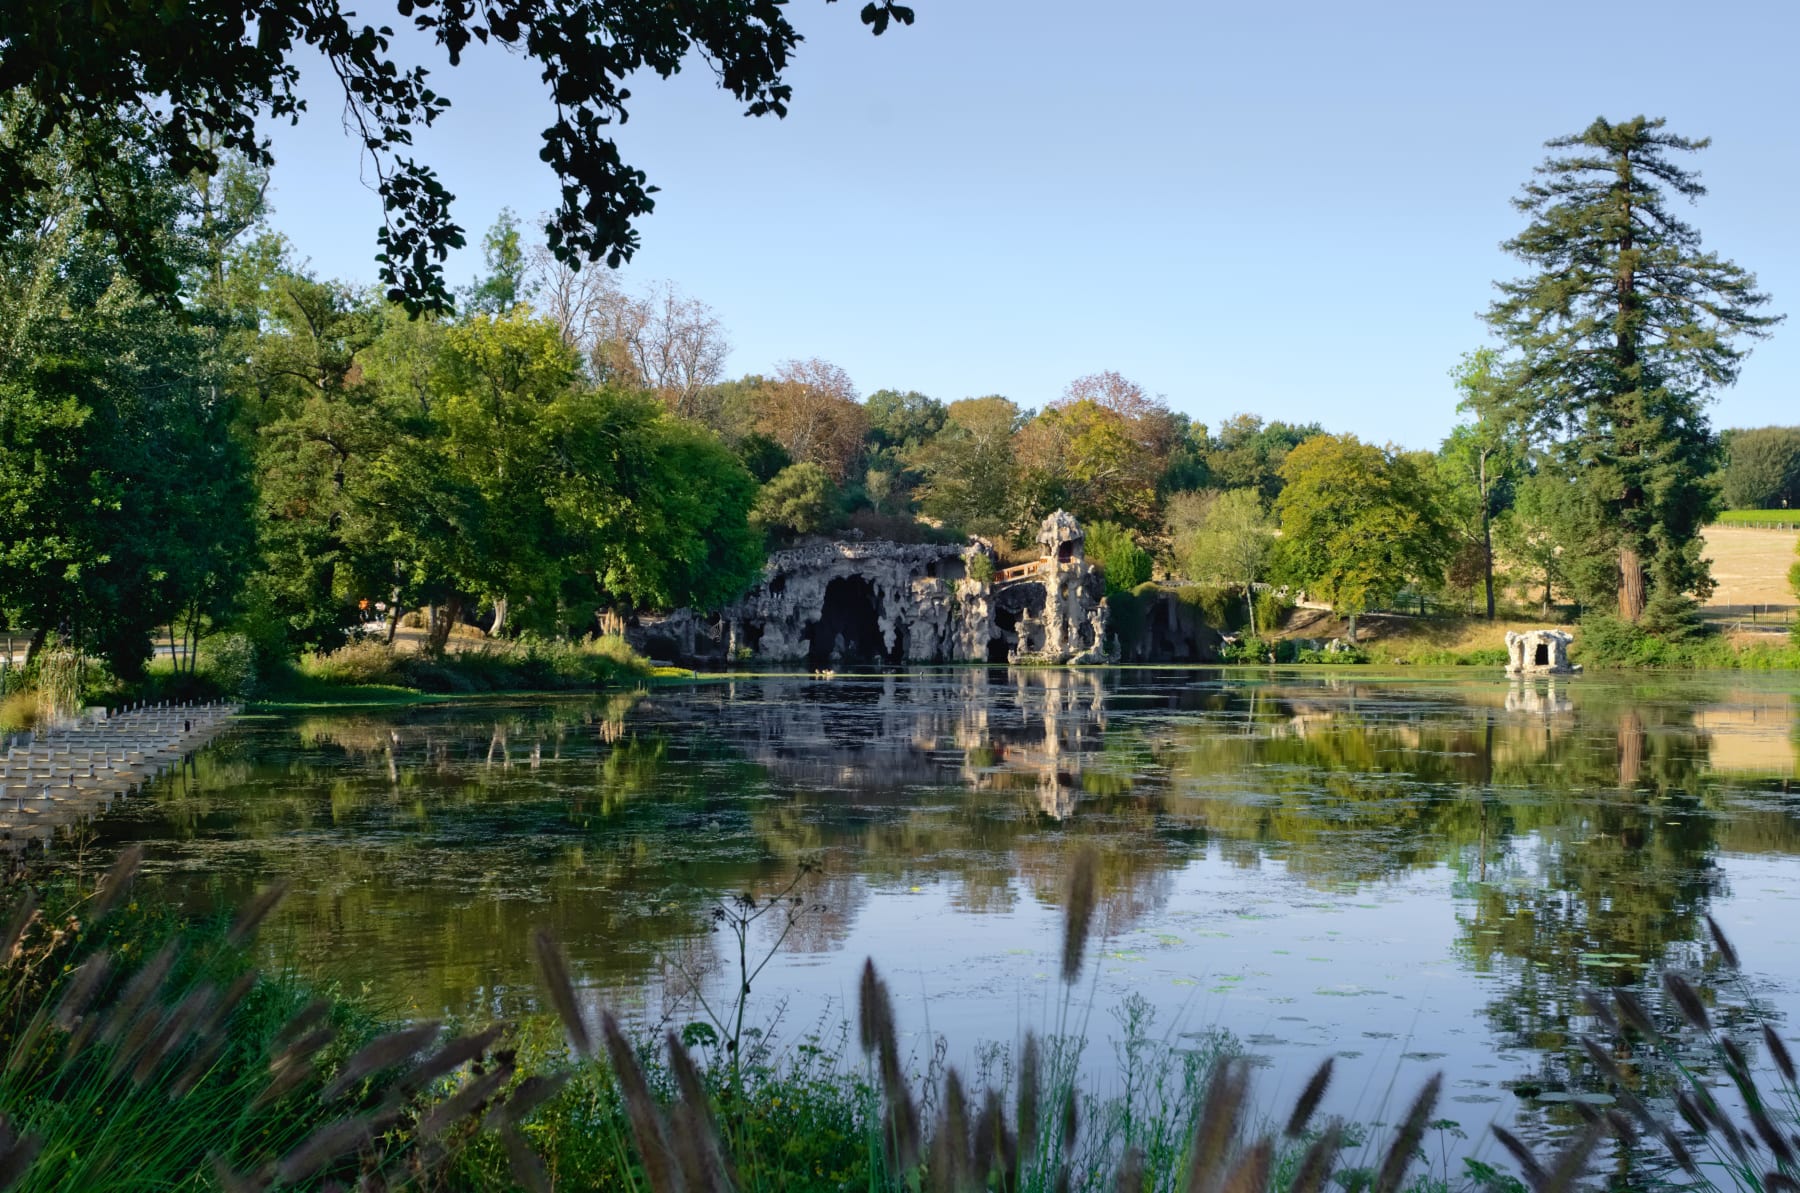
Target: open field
{"x":1750,"y":565}
{"x":1785,"y":519}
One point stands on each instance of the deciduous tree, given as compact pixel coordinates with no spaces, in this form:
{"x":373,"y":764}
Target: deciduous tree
{"x":1357,"y":521}
{"x":1229,"y":542}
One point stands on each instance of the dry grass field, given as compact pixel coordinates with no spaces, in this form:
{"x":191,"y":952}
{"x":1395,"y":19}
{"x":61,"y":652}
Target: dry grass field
{"x":1751,"y":567}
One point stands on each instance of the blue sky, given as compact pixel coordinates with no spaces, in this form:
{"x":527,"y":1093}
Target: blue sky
{"x":1289,"y":209}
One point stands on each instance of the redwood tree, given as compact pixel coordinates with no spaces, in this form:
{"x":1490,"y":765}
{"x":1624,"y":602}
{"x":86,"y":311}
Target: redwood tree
{"x":1624,"y":330}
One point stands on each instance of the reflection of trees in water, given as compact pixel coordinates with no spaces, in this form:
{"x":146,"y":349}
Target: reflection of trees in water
{"x":1581,"y":825}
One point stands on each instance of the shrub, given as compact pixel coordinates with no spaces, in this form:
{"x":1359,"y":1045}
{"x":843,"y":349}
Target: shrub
{"x":230,"y":661}
{"x":1272,"y":609}
{"x":981,"y":568}
{"x":365,"y":662}
{"x":1125,"y":564}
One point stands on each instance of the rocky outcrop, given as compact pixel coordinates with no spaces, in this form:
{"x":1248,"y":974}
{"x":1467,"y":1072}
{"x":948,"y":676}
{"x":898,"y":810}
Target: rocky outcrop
{"x":830,"y":604}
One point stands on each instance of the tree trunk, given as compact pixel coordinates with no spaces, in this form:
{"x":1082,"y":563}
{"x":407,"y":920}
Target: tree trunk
{"x":1250,"y":608}
{"x":39,"y":636}
{"x":1353,"y":629}
{"x":1631,"y":584}
{"x":500,"y":609}
{"x":1487,"y":561}
{"x":393,"y":616}
{"x":447,"y":617}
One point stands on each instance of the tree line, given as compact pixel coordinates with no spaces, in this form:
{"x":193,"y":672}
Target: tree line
{"x":259,"y":447}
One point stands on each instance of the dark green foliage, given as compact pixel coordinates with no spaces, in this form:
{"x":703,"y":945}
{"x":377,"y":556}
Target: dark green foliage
{"x":800,"y":500}
{"x":208,"y":76}
{"x":124,"y":494}
{"x":763,"y":457}
{"x":1762,"y":469}
{"x":1622,"y":333}
{"x":1248,"y":453}
{"x":1115,"y":549}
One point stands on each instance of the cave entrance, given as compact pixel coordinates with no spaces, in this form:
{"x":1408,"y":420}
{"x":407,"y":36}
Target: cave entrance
{"x":999,"y":648}
{"x":1542,"y":658}
{"x":848,"y":632}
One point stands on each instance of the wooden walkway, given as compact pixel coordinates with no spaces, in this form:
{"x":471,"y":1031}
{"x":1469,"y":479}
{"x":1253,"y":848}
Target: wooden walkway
{"x":71,"y":773}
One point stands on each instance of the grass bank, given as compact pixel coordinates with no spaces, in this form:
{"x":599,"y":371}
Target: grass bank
{"x":139,"y":1052}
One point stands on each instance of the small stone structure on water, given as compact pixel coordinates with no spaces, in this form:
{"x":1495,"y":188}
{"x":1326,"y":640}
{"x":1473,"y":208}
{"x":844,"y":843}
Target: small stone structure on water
{"x":830,"y":604}
{"x":1539,"y":652}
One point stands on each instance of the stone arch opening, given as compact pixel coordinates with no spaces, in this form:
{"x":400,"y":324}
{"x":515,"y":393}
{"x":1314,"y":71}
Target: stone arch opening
{"x":1541,"y":657}
{"x":848,"y":632}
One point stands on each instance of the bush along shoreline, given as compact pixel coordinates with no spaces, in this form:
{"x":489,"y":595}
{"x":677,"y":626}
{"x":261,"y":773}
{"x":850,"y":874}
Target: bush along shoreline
{"x":140,"y":1051}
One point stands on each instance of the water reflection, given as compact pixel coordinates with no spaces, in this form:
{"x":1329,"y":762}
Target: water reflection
{"x":1573,"y":833}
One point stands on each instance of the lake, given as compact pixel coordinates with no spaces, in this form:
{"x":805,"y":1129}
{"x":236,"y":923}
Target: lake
{"x":1409,"y":872}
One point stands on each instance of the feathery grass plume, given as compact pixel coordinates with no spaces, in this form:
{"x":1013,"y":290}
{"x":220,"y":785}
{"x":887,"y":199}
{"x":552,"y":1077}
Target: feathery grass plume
{"x":1571,"y":1162}
{"x":1130,"y":1176}
{"x":990,"y":1141}
{"x":1778,"y":1147}
{"x":526,"y":1168}
{"x":1596,"y":1005}
{"x":1687,"y":1000}
{"x":452,"y":1056}
{"x":1779,"y":1182}
{"x":1678,"y":1150}
{"x":15,"y":931}
{"x":950,"y":1142}
{"x":1078,"y":913}
{"x":16,"y":1153}
{"x":1217,"y":1129}
{"x":1400,"y":1153}
{"x":192,"y":1009}
{"x":1633,"y":1013}
{"x":1535,"y":1175}
{"x":527,"y":1096}
{"x":875,"y":1018}
{"x":1029,"y":1079}
{"x":138,"y":992}
{"x":640,"y":1110}
{"x":255,"y":912}
{"x":555,"y":968}
{"x":301,"y":1023}
{"x":697,"y":1133}
{"x":1251,"y":1173}
{"x":1309,"y":1100}
{"x":1778,"y":1052}
{"x":237,"y":1182}
{"x":900,"y":1128}
{"x":383,"y":1052}
{"x":1691,"y":1112}
{"x":333,"y":1141}
{"x":1316,"y":1164}
{"x":1727,"y":953}
{"x":117,"y":881}
{"x":1071,"y":1122}
{"x":466,"y":1102}
{"x":80,"y":991}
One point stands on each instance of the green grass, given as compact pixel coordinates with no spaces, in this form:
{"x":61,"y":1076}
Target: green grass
{"x":1779,"y":519}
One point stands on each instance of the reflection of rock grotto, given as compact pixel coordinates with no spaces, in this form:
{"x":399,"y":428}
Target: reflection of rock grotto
{"x":832,"y":604}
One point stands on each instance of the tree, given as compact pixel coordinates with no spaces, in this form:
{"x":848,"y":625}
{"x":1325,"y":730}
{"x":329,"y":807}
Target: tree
{"x":1622,"y":333}
{"x":797,"y":501}
{"x":189,"y":84}
{"x":1091,"y":460}
{"x":1248,"y":453}
{"x":124,"y":490}
{"x":810,"y":409}
{"x":1357,"y":522}
{"x":506,"y":283}
{"x":1230,"y":543}
{"x":665,"y":342}
{"x":1124,"y":564}
{"x":1478,"y":463}
{"x":968,"y":466}
{"x":1762,"y":468}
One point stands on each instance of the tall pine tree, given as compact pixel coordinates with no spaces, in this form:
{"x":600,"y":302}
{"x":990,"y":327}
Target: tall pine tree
{"x":1624,"y":330}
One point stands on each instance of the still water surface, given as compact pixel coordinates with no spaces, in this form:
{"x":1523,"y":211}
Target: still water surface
{"x":1409,"y":873}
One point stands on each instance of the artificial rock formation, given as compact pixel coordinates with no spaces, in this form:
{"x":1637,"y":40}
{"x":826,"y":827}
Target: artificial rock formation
{"x":829,"y":604}
{"x":1539,"y":652}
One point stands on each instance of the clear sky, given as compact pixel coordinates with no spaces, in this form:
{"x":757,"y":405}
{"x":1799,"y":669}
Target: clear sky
{"x":1288,"y":209}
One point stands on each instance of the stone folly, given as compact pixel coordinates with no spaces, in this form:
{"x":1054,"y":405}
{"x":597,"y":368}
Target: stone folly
{"x":1539,"y":652}
{"x":831,"y":604}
